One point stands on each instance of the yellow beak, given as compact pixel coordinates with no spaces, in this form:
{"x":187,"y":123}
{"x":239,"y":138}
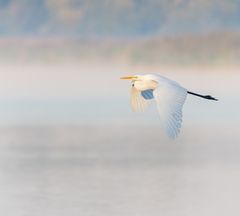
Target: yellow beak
{"x":129,"y":77}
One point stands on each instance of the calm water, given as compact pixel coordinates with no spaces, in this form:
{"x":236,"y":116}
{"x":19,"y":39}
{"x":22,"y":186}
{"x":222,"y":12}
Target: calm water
{"x":118,"y":171}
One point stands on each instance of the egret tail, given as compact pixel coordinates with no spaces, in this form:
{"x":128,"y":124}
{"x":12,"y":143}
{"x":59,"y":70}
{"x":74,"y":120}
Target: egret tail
{"x":209,"y":97}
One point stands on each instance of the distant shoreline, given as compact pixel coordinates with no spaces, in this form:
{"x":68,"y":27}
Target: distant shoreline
{"x":189,"y":50}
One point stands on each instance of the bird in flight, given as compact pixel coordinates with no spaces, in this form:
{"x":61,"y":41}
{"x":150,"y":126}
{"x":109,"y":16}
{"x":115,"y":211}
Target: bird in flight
{"x":169,"y":96}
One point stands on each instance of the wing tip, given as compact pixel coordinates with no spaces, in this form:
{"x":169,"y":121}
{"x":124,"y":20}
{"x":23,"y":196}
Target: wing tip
{"x":173,"y":134}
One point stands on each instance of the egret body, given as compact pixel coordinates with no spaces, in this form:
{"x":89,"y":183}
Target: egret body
{"x":169,"y":97}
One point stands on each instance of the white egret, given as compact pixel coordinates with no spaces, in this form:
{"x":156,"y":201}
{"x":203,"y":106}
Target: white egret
{"x":168,"y":94}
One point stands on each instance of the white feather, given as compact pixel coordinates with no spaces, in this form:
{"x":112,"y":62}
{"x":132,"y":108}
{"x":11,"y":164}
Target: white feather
{"x":138,"y":103}
{"x":170,"y":97}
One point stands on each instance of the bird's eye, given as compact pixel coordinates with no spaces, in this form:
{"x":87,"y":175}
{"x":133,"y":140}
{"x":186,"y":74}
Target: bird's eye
{"x":132,"y":84}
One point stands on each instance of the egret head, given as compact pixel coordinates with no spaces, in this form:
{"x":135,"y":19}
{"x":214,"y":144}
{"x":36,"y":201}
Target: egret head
{"x":142,"y":82}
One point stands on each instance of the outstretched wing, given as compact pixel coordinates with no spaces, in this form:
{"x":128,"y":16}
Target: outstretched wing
{"x":170,"y":98}
{"x":138,"y":103}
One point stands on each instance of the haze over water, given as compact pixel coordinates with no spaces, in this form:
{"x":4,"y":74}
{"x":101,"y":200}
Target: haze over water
{"x":118,"y":171}
{"x":70,"y":147}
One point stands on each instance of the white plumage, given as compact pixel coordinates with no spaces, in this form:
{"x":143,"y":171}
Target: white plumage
{"x":169,"y":97}
{"x":138,"y":103}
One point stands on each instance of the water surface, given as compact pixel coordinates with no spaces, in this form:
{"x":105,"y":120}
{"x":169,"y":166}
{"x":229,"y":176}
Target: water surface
{"x":118,"y":170}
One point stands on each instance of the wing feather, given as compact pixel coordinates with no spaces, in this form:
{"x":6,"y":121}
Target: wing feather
{"x":170,"y":98}
{"x":138,"y":103}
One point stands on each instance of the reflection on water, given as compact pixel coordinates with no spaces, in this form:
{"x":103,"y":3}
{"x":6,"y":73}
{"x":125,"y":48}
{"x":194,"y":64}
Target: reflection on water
{"x":118,"y":171}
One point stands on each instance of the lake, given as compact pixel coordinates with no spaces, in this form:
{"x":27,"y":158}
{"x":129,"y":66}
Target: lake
{"x":119,"y":170}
